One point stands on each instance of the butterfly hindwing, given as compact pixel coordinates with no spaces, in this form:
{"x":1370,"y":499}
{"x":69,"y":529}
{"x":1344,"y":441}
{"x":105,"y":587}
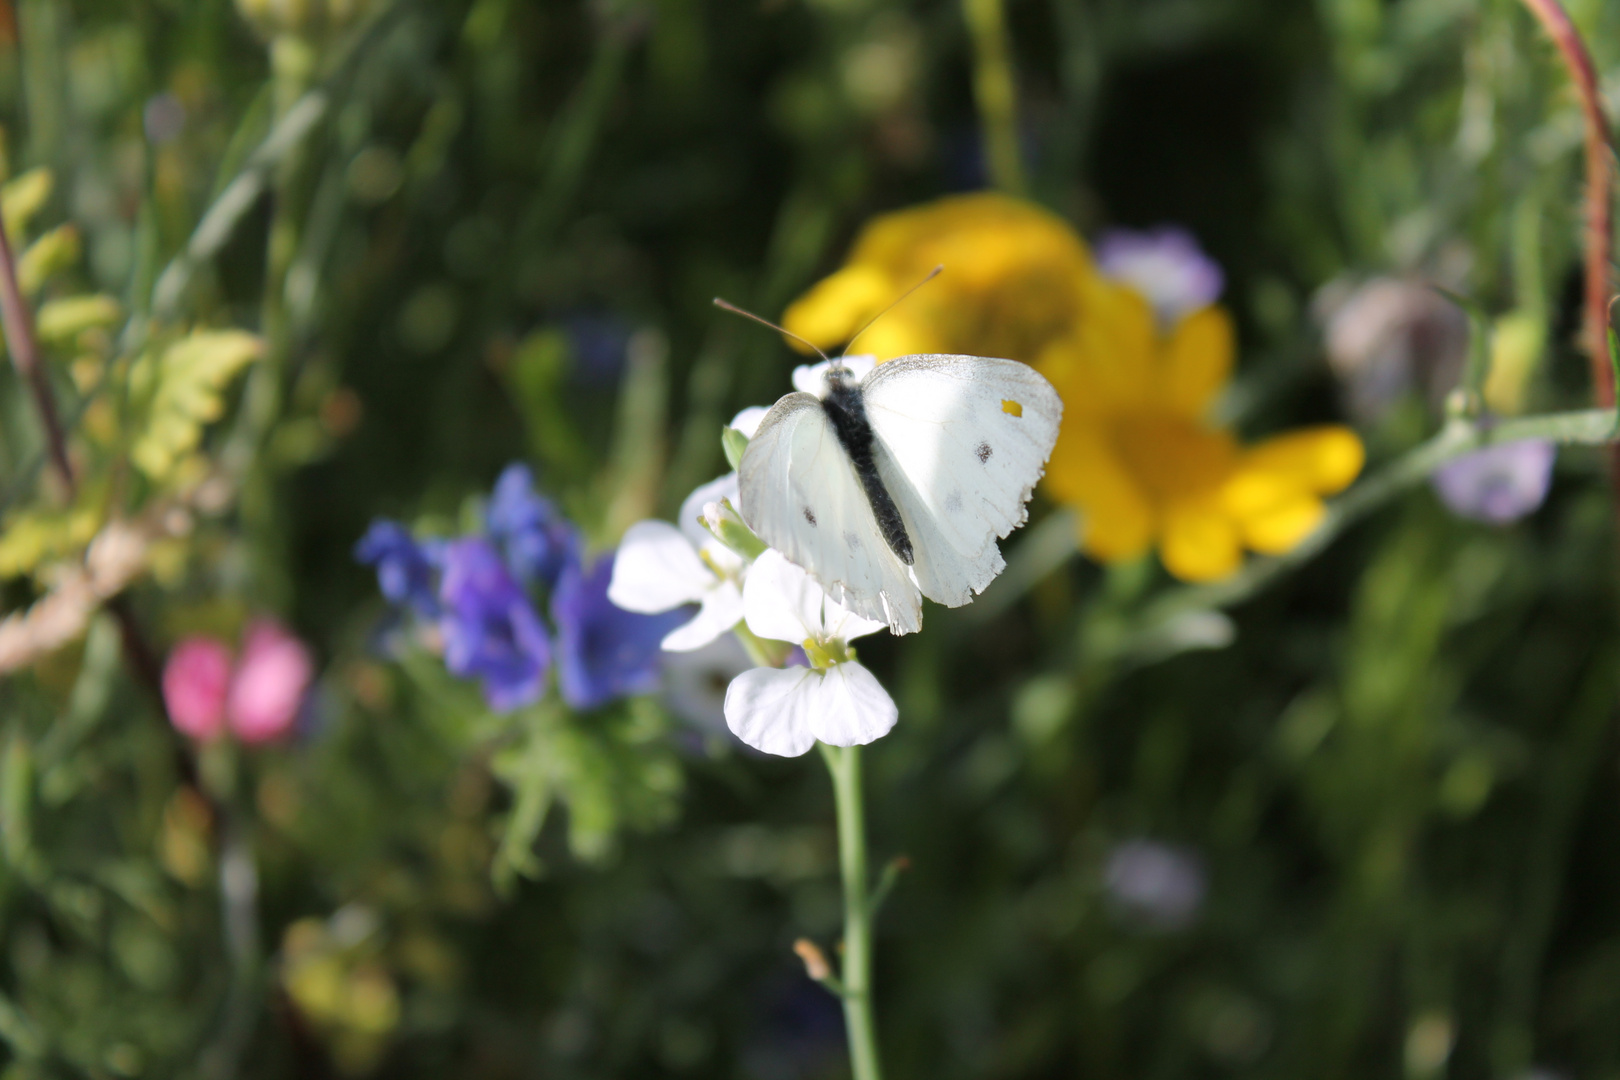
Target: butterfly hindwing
{"x":800,"y":494}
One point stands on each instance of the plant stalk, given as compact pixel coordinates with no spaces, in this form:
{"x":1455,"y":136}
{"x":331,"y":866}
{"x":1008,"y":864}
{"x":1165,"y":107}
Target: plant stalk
{"x":996,"y":94}
{"x":1599,"y":208}
{"x":24,"y":349}
{"x":845,"y":767}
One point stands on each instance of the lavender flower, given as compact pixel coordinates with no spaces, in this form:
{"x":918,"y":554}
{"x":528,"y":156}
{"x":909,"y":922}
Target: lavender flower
{"x":1165,"y":265}
{"x":604,"y":651}
{"x":405,"y":568}
{"x":1498,"y":484}
{"x":1156,"y":884}
{"x":537,"y":540}
{"x":491,"y":631}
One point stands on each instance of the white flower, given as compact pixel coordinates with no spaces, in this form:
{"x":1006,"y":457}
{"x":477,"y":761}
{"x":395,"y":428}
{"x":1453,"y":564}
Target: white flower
{"x":812,"y":378}
{"x":695,"y":682}
{"x":748,"y":420}
{"x":785,"y":710}
{"x":660,"y":566}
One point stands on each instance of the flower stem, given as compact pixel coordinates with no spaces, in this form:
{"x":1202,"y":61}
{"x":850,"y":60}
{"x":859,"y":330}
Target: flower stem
{"x":1599,"y":218}
{"x":845,"y":767}
{"x":996,"y":93}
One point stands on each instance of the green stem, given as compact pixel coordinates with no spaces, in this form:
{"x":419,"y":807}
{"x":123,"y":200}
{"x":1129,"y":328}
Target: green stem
{"x":996,"y":93}
{"x":845,"y":767}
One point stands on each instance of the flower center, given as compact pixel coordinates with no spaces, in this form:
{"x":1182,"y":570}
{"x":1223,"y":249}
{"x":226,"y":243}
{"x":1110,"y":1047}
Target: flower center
{"x":1171,"y":456}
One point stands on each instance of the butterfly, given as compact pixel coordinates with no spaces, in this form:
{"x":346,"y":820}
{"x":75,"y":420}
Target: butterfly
{"x":890,"y":482}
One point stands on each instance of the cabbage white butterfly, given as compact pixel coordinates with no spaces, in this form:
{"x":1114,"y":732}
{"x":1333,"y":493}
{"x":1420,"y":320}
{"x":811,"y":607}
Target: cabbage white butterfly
{"x":889,"y":482}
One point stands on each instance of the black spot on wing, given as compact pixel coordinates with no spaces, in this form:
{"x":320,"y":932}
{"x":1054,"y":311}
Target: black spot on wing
{"x":809,"y":516}
{"x":953,"y":503}
{"x":853,"y":541}
{"x":982,"y":451}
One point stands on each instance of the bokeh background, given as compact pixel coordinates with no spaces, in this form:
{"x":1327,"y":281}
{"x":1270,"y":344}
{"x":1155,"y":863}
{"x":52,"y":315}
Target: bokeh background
{"x":1366,"y":827}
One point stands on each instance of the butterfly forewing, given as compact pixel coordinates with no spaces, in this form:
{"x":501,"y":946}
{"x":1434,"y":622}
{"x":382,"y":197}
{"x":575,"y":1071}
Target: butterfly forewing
{"x":964,"y":440}
{"x":801,"y":495}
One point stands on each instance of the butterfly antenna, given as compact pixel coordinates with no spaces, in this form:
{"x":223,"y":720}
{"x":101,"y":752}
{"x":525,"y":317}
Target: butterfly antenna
{"x":724,"y":305}
{"x":932,"y":274}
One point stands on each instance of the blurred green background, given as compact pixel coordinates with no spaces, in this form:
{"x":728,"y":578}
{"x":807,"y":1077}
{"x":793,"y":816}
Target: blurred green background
{"x":1386,"y":813}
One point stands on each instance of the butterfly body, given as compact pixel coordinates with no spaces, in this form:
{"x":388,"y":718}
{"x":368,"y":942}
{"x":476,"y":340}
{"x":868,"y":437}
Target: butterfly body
{"x":847,"y":412}
{"x":894,"y":482}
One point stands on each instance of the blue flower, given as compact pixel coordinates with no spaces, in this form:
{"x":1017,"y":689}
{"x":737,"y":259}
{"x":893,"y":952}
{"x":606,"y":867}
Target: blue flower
{"x":405,"y":568}
{"x":603,"y":651}
{"x":537,"y":540}
{"x":491,"y":631}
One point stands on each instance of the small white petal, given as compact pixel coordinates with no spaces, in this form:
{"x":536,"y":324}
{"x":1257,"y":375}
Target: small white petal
{"x":722,"y":609}
{"x":695,"y":682}
{"x":784,"y":603}
{"x":656,"y":569}
{"x":812,"y":378}
{"x":748,"y":420}
{"x":770,"y":710}
{"x":849,"y":707}
{"x":724,"y":487}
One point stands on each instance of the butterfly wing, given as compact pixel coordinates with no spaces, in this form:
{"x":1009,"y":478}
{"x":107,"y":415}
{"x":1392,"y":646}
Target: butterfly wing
{"x":800,"y":494}
{"x":962,"y":441}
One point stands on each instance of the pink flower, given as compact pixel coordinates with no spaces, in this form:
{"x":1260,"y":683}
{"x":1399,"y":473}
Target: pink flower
{"x":259,"y":700}
{"x":270,"y":682}
{"x":195,"y":682}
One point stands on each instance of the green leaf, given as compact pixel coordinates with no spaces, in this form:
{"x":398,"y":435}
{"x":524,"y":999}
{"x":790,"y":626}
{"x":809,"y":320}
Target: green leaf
{"x":734,"y":443}
{"x":22,"y":198}
{"x":188,"y":382}
{"x":46,"y":257}
{"x":67,"y":318}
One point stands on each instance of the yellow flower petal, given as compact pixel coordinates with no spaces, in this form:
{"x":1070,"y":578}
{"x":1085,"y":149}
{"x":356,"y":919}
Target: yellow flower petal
{"x":1117,"y":517}
{"x":1284,"y":469}
{"x":837,"y":306}
{"x":1199,"y":544}
{"x":1197,"y":361}
{"x":1278,"y":529}
{"x":1322,"y":459}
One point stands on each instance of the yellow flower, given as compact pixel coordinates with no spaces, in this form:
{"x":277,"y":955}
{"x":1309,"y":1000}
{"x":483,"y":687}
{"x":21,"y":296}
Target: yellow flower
{"x":1138,"y":458}
{"x":1014,"y":281}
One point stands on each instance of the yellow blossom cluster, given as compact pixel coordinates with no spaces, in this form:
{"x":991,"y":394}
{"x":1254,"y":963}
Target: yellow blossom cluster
{"x":1138,"y":455}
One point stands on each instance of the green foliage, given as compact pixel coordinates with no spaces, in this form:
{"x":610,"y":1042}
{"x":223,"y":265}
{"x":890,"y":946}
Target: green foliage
{"x":180,"y":389}
{"x":422,"y":241}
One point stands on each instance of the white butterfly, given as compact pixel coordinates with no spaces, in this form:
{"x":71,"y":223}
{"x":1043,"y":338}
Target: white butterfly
{"x":894,"y":480}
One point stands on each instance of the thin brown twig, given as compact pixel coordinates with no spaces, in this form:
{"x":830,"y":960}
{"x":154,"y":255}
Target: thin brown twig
{"x":1599,"y":178}
{"x":24,"y":349}
{"x":23,"y":345}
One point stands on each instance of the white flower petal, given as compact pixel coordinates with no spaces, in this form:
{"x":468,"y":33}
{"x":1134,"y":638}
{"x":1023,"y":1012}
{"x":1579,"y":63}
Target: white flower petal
{"x":695,"y":682}
{"x":748,"y":420}
{"x":692,"y":528}
{"x":722,"y":609}
{"x":849,"y":707}
{"x":656,"y":569}
{"x":812,"y":378}
{"x":770,"y":709}
{"x":781,"y":601}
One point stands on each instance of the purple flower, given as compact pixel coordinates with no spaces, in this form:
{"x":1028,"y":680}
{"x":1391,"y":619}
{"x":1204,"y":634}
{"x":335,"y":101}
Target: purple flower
{"x":1157,"y":884}
{"x":1165,"y":265}
{"x":604,"y":651}
{"x":537,"y":540}
{"x":1498,"y":484}
{"x":405,"y":568}
{"x":491,"y":631}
